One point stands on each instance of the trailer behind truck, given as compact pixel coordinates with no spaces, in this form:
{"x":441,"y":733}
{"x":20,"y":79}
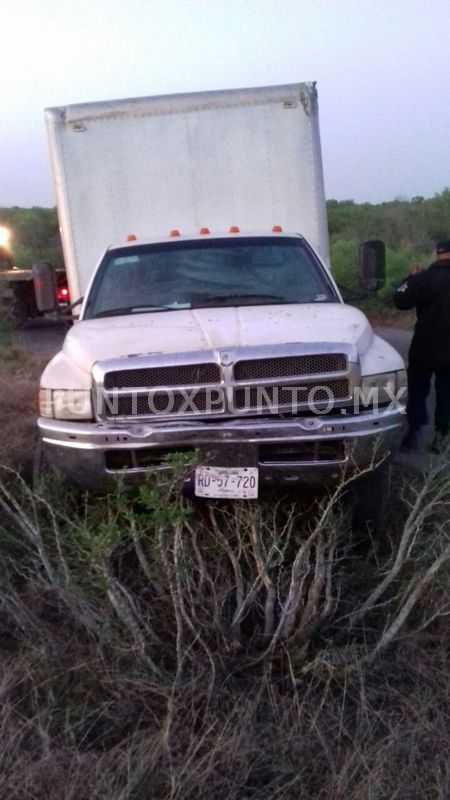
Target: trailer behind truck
{"x":20,"y":296}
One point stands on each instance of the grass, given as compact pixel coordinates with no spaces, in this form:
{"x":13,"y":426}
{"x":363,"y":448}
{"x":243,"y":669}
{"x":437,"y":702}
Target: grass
{"x":155,"y":649}
{"x":19,"y":386}
{"x":143,"y":655}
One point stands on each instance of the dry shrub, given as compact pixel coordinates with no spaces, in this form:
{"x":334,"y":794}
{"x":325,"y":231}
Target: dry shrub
{"x":153,"y":649}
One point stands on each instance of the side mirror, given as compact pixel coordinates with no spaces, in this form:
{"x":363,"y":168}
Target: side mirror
{"x":44,"y":279}
{"x":372,"y":265}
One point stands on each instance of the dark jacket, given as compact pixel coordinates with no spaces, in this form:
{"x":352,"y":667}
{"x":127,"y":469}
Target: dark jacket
{"x":428,"y":291}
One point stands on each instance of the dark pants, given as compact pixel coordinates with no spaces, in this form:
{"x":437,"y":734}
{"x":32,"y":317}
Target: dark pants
{"x":419,"y":384}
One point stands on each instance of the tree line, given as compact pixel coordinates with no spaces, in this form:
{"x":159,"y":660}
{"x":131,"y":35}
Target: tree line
{"x":409,"y":228}
{"x":34,"y":235}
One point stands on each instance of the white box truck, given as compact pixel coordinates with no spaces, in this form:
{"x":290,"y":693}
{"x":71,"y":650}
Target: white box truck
{"x":211,"y":323}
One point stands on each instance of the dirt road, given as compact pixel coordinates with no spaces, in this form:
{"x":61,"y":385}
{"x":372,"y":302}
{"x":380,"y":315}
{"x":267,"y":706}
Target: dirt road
{"x":42,"y":337}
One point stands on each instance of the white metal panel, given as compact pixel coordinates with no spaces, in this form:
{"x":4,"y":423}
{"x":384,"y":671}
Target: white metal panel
{"x":186,"y":331}
{"x":189,"y":330}
{"x":248,"y":157}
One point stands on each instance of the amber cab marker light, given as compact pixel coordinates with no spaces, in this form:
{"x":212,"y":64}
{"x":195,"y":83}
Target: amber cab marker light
{"x":174,"y":232}
{"x":233,"y":229}
{"x":277,"y":229}
{"x":203,"y":231}
{"x":131,"y":237}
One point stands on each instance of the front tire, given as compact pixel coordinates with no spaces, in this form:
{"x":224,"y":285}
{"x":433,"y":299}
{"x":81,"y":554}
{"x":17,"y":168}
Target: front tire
{"x":369,"y":498}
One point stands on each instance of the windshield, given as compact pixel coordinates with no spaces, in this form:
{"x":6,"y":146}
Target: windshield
{"x":200,"y":274}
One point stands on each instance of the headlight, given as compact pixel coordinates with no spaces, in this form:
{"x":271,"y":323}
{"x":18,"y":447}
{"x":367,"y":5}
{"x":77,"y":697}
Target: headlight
{"x":65,"y":403}
{"x":384,"y":387}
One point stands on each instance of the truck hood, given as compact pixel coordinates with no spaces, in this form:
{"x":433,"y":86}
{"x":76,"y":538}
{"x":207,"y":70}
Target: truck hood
{"x":190,"y":330}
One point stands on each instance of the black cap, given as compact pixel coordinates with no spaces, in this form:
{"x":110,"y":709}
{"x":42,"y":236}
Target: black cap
{"x":443,"y":247}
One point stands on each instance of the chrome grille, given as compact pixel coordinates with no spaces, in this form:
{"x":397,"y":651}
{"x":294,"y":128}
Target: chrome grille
{"x":260,"y":397}
{"x":253,"y":380}
{"x":151,"y":377}
{"x":162,"y":403}
{"x":289,"y":366}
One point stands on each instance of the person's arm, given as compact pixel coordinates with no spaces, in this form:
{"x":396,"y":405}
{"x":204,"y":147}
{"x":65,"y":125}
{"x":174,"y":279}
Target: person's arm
{"x":408,"y":292}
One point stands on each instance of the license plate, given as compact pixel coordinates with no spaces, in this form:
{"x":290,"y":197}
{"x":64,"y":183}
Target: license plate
{"x":231,"y":482}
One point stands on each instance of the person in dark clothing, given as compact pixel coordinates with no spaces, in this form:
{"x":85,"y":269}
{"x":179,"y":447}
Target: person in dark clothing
{"x":428,"y":291}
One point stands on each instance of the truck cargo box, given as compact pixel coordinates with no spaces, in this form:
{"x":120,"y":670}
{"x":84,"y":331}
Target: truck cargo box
{"x":246,"y":157}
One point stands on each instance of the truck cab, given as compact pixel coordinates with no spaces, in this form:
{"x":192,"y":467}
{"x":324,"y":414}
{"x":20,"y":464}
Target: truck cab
{"x":233,"y":347}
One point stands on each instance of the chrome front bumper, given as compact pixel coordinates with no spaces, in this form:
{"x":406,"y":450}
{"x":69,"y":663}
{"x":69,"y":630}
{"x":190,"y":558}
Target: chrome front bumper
{"x":88,"y":453}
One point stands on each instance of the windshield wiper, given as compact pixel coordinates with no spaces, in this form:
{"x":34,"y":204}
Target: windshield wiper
{"x":214,"y":298}
{"x":115,"y":312}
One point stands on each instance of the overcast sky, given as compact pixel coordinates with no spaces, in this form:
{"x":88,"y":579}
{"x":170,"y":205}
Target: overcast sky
{"x":382,"y":69}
